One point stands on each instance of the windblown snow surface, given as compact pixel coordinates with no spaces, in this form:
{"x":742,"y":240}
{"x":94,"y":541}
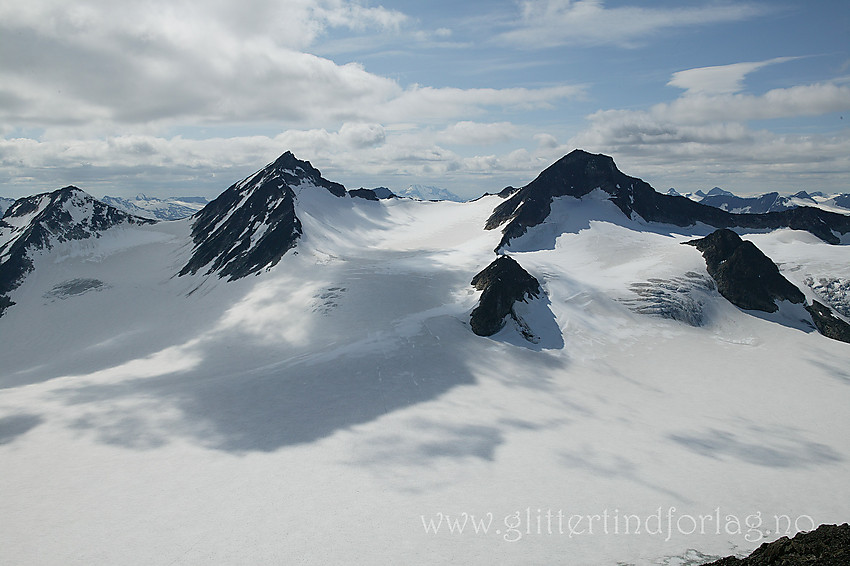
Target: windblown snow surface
{"x":337,"y":409}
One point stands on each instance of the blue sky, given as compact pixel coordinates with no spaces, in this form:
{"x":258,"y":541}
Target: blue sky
{"x":186,"y":97}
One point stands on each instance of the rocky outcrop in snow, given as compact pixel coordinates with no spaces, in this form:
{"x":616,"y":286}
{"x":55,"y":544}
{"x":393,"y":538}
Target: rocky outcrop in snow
{"x":744,"y":275}
{"x":750,"y":280}
{"x":503,"y":283}
{"x":827,"y":323}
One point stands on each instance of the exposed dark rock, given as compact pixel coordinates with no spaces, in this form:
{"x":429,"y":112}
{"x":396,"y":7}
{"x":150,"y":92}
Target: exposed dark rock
{"x":367,"y":194}
{"x":828,"y":545}
{"x":38,"y":222}
{"x":579,"y":172}
{"x":252,"y":224}
{"x":503,"y":282}
{"x":744,"y":275}
{"x":827,"y":323}
{"x":383,"y":193}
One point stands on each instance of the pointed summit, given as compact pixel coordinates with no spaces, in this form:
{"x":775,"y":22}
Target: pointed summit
{"x":579,"y":173}
{"x":37,"y":223}
{"x":252,"y":224}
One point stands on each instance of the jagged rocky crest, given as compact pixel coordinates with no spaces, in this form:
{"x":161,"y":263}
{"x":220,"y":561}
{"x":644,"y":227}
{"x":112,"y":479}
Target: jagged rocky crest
{"x":503,"y":283}
{"x":743,"y":274}
{"x":252,"y":224}
{"x":579,"y":173}
{"x":750,"y":280}
{"x":37,"y":223}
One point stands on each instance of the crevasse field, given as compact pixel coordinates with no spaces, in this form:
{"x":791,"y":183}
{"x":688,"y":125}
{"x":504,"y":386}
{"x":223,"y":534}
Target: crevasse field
{"x":337,"y":408}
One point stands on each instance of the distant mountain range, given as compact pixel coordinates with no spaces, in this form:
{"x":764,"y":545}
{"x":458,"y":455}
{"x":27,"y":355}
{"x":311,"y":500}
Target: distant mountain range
{"x":171,"y":208}
{"x":428,"y":192}
{"x":768,"y":202}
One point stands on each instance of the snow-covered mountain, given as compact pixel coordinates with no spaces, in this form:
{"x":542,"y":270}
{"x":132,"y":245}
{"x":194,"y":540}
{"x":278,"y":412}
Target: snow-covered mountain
{"x":171,"y":208}
{"x":35,"y":225}
{"x":428,"y":192}
{"x":253,"y":223}
{"x":579,"y":371}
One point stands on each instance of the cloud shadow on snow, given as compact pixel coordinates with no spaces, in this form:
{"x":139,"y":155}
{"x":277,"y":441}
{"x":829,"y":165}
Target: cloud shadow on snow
{"x":769,"y":448}
{"x":283,"y":403}
{"x":13,"y":426}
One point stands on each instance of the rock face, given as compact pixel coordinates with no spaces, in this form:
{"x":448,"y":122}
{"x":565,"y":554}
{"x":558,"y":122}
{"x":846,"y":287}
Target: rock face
{"x":743,"y":274}
{"x":578,"y":173}
{"x":827,"y":323}
{"x":828,"y":545}
{"x":252,"y":224}
{"x":503,"y":282}
{"x":39,"y":222}
{"x":368,"y":194}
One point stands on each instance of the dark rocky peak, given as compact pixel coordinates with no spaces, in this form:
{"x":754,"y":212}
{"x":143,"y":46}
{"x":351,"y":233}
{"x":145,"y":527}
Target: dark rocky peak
{"x":504,"y":282}
{"x":295,"y":172}
{"x":579,"y":173}
{"x":252,"y":224}
{"x":65,"y":214}
{"x":744,"y":275}
{"x":39,"y":222}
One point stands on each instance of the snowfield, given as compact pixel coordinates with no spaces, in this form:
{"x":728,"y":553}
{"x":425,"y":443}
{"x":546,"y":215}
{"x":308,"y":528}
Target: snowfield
{"x":337,"y":408}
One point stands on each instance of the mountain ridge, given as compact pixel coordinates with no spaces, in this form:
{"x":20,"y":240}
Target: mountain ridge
{"x":37,"y":223}
{"x":579,"y":172}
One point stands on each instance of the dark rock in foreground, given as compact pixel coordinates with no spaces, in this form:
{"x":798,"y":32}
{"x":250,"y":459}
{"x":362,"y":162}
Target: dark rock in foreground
{"x":503,"y":282}
{"x":828,"y":545}
{"x":744,"y":275}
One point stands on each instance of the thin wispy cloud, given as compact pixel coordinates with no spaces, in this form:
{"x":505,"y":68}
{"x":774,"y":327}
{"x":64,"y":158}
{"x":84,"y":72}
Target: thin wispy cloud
{"x":720,"y":79}
{"x":550,"y":23}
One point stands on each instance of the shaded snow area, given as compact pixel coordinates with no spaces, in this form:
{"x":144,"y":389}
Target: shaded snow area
{"x":338,"y":409}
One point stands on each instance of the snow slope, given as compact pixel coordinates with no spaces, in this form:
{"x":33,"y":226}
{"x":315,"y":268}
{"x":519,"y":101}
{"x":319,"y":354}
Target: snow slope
{"x":338,"y":409}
